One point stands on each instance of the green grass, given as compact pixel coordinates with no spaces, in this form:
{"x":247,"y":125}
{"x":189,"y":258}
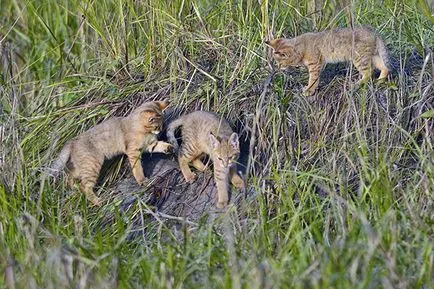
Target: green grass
{"x":344,"y":184}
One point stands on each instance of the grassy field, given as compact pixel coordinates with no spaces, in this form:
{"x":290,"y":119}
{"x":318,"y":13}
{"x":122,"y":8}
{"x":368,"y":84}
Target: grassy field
{"x":343,"y":182}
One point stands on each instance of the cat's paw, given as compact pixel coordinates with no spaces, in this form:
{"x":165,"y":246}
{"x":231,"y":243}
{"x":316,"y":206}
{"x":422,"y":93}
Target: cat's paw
{"x":239,"y":184}
{"x":237,"y":181}
{"x":96,"y":202}
{"x":162,"y":147}
{"x":140,"y":181}
{"x":190,"y":177}
{"x":169,"y":149}
{"x":139,"y":176}
{"x":307,"y":91}
{"x":222,"y":204}
{"x":165,"y":148}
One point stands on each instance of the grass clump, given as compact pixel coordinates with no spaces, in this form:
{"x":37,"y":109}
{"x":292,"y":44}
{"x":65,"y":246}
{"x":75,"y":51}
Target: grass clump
{"x":344,"y":184}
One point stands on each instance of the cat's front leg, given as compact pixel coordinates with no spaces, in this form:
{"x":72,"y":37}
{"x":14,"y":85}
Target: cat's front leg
{"x":314,"y":72}
{"x":136,"y":165}
{"x":221,"y":181}
{"x":161,"y":147}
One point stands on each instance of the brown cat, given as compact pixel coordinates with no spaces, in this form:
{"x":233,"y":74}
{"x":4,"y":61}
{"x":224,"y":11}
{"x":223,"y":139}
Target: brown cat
{"x":206,"y":133}
{"x":84,"y":155}
{"x":361,"y":45}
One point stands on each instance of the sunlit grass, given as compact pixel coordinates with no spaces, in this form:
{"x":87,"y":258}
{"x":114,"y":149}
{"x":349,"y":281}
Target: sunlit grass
{"x":344,"y":183}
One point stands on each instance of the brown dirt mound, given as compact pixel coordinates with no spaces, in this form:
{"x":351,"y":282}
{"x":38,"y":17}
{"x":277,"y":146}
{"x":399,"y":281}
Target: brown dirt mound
{"x":173,"y":198}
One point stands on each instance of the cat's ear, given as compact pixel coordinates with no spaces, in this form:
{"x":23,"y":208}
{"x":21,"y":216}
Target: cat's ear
{"x":273,"y":43}
{"x":280,"y":47}
{"x":234,"y":142}
{"x":163,"y":104}
{"x":213,"y":141}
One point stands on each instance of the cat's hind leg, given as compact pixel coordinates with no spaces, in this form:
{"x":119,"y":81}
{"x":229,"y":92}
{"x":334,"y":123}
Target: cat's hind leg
{"x":198,"y":164}
{"x":69,"y":180}
{"x":236,"y":179}
{"x":184,"y":159}
{"x":86,"y":168}
{"x":364,"y":66}
{"x":379,"y":64}
{"x":86,"y":186}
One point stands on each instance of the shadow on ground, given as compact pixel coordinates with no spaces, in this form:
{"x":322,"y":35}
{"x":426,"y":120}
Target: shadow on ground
{"x":169,"y":197}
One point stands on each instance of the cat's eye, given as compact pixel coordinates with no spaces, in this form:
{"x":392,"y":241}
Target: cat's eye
{"x":279,"y":54}
{"x":151,"y":119}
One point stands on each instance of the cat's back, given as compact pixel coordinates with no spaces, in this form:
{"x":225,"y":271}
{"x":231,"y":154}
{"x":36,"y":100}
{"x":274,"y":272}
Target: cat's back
{"x":203,"y":122}
{"x":361,"y":33}
{"x":333,"y":36}
{"x":338,"y":44}
{"x":106,"y":138}
{"x":306,"y":40}
{"x":107,"y":128}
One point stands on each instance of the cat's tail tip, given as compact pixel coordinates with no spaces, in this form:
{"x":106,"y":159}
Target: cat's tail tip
{"x":57,"y":166}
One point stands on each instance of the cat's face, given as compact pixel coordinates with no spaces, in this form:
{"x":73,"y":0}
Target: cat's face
{"x":225,"y":151}
{"x":285,"y":53}
{"x":151,"y":115}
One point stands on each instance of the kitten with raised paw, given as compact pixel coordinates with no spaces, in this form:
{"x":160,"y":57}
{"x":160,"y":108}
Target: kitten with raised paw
{"x":207,"y":133}
{"x":84,"y":155}
{"x":360,"y":45}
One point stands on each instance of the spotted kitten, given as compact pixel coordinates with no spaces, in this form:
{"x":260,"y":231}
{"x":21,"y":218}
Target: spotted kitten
{"x":207,"y":133}
{"x":360,"y":45}
{"x":84,"y":155}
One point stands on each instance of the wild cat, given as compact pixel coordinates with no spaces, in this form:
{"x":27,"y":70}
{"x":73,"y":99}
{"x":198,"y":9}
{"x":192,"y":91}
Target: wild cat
{"x":84,"y":155}
{"x":360,"y":45}
{"x":207,"y":133}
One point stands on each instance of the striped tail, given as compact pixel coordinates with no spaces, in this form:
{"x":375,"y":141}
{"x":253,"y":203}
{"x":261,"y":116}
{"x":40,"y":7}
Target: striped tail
{"x":58,"y":165}
{"x":171,"y":133}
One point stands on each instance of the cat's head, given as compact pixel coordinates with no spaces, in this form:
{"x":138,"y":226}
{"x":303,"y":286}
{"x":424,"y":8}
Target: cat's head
{"x":151,"y":115}
{"x":284,"y":52}
{"x":225,"y":151}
